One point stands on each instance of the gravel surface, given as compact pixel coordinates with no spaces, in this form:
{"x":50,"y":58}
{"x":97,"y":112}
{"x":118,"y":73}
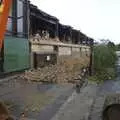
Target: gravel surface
{"x":89,"y":104}
{"x":78,"y":105}
{"x":66,"y":103}
{"x":43,"y":99}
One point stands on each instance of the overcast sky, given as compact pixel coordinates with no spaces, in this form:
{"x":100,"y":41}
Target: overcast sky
{"x":96,"y":18}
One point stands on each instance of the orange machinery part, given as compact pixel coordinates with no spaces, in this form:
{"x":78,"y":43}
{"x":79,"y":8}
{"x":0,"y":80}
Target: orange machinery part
{"x":6,"y":5}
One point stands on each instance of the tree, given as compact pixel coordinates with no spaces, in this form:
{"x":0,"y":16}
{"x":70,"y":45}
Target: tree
{"x":111,"y":45}
{"x":118,"y":47}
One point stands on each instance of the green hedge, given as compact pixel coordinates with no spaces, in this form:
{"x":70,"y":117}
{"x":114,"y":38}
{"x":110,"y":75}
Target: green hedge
{"x":104,"y":59}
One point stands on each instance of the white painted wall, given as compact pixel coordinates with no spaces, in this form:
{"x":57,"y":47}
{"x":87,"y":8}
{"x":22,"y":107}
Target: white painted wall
{"x":20,"y":14}
{"x":9,"y":23}
{"x":64,"y":51}
{"x":42,"y":48}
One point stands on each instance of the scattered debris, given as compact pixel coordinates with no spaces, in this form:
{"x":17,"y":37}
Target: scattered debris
{"x":67,"y":71}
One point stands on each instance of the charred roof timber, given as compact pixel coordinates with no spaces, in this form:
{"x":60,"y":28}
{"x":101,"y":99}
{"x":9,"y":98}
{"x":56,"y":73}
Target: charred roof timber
{"x":42,"y":21}
{"x":65,"y":33}
{"x":75,"y":36}
{"x":34,"y":11}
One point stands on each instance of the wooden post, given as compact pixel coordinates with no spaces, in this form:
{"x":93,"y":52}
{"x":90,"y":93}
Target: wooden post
{"x":57,"y":30}
{"x":91,"y":59}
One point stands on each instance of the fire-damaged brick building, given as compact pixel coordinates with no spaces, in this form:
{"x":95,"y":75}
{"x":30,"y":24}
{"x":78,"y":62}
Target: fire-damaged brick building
{"x":43,"y":24}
